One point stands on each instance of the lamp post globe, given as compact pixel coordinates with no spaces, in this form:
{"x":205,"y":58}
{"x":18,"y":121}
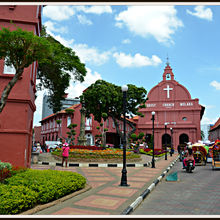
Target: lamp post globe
{"x":124,"y":89}
{"x":153,"y":115}
{"x":165,"y":124}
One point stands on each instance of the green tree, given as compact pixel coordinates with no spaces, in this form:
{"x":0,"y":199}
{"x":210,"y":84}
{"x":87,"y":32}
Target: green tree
{"x":20,"y":49}
{"x":55,"y":73}
{"x":104,"y":97}
{"x":71,"y":134}
{"x":56,"y":62}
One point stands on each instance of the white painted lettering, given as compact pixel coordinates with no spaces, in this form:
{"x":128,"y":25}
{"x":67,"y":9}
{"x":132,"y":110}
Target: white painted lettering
{"x":186,"y":104}
{"x":150,"y":105}
{"x":168,"y":104}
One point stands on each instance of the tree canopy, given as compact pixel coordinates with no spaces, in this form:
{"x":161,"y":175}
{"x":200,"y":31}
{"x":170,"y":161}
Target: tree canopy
{"x":56,"y":62}
{"x":20,"y":49}
{"x":55,"y":72}
{"x":104,"y":97}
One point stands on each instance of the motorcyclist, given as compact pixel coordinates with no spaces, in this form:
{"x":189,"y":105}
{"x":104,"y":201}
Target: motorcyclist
{"x":188,"y":156}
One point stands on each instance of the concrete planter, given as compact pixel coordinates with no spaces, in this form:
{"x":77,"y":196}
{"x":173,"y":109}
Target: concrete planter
{"x":34,"y":157}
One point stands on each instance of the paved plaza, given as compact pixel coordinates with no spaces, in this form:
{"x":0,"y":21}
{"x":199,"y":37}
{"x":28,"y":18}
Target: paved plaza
{"x":105,"y":197}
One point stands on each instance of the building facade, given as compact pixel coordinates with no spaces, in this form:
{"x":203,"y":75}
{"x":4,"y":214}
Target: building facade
{"x":16,"y":119}
{"x":172,"y":104}
{"x":214,"y":132}
{"x":52,"y":131}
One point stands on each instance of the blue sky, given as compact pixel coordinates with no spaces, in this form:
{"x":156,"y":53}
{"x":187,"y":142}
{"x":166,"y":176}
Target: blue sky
{"x":129,"y":44}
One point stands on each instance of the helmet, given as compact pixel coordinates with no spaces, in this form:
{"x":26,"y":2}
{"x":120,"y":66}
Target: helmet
{"x":189,"y":146}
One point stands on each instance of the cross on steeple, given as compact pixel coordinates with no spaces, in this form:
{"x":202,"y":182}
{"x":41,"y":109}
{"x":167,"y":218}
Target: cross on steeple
{"x":168,"y":89}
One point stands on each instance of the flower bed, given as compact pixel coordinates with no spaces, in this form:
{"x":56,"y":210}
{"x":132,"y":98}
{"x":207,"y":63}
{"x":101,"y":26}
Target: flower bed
{"x":96,"y":155}
{"x":85,"y":147}
{"x":7,"y":170}
{"x":157,"y":152}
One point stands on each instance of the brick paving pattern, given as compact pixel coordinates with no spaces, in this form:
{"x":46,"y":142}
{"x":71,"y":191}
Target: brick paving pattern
{"x":106,"y":197}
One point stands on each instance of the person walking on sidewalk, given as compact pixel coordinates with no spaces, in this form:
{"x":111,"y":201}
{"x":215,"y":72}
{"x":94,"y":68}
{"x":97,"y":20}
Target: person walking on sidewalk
{"x":65,"y":153}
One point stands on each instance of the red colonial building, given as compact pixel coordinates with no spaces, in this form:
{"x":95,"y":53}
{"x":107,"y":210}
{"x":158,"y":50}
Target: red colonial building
{"x":214,"y":132}
{"x":172,"y":104}
{"x":52,"y":131}
{"x":16,"y":119}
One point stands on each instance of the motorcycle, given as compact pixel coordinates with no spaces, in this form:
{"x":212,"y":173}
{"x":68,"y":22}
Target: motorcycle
{"x":189,"y":166}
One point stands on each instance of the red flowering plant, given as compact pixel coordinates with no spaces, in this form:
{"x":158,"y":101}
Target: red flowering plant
{"x":157,"y":152}
{"x":96,"y":154}
{"x":85,"y":147}
{"x":7,"y":170}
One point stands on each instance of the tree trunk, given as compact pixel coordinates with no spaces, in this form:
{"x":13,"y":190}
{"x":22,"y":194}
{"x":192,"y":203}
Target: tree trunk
{"x":9,"y":87}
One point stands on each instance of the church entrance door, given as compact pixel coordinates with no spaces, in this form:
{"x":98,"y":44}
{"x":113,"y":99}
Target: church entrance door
{"x":183,"y":139}
{"x":166,"y":141}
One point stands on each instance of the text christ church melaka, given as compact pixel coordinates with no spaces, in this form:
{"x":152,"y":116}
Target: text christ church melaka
{"x":172,"y":104}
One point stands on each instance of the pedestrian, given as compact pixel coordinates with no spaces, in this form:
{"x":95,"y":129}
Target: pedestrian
{"x":65,"y":153}
{"x":38,"y":149}
{"x":189,"y":156}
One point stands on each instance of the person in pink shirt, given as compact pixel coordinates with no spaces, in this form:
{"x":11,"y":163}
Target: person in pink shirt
{"x":65,"y":153}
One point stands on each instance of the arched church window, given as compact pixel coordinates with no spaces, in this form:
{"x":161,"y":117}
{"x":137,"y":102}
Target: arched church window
{"x":168,"y":77}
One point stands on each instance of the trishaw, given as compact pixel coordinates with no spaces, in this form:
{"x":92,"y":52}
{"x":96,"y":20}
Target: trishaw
{"x":200,"y":152}
{"x":214,"y":152}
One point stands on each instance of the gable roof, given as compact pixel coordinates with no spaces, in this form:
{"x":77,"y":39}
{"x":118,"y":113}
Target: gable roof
{"x":60,"y":112}
{"x":216,"y":125}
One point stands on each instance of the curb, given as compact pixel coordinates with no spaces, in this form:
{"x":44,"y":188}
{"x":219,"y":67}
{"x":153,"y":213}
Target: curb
{"x":146,"y":192}
{"x":96,"y":164}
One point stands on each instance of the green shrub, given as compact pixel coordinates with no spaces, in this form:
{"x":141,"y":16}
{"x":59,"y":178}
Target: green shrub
{"x":43,"y":185}
{"x":150,"y":153}
{"x":15,"y":199}
{"x":5,"y":165}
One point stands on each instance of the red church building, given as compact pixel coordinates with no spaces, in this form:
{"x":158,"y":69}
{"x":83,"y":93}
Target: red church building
{"x":16,"y":119}
{"x":172,"y":104}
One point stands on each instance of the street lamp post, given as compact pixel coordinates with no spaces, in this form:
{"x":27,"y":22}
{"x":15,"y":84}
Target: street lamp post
{"x":124,"y":89}
{"x":171,"y":149}
{"x":165,"y":140}
{"x":153,"y":162}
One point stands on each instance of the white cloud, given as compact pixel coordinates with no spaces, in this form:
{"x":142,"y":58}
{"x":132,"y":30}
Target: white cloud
{"x":201,"y":12}
{"x":126,"y":41}
{"x":136,"y":61}
{"x":158,"y":21}
{"x":53,"y":27}
{"x":91,"y":55}
{"x":215,"y":84}
{"x":58,"y":13}
{"x":76,"y":89}
{"x":209,"y":106}
{"x":83,"y":20}
{"x":207,"y":120}
{"x":94,"y":9}
{"x":65,"y":42}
